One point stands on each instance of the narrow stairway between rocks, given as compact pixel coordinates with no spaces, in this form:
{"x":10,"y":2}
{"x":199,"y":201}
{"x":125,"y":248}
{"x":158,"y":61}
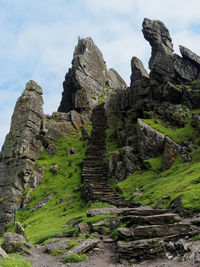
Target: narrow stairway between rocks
{"x":95,"y":169}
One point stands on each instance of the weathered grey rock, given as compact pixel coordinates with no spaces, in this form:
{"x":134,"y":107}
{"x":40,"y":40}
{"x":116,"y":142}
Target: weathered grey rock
{"x":84,"y":246}
{"x":56,"y":244}
{"x":184,"y":69}
{"x":143,"y":211}
{"x":84,"y":133}
{"x":138,"y":71}
{"x":62,"y":124}
{"x":152,"y":231}
{"x":71,"y":151}
{"x":114,"y":158}
{"x":3,"y":254}
{"x":114,"y":80}
{"x":161,"y":61}
{"x":141,"y":249}
{"x":21,"y":149}
{"x":86,"y":79}
{"x":171,"y":151}
{"x":51,"y":149}
{"x":19,"y":229}
{"x":103,"y":211}
{"x":169,"y":92}
{"x":167,"y":218}
{"x":150,"y":141}
{"x":84,"y":228}
{"x":189,"y":55}
{"x":15,"y":243}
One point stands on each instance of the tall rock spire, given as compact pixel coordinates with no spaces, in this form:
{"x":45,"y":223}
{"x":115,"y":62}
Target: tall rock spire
{"x":21,"y":149}
{"x":87,"y":78}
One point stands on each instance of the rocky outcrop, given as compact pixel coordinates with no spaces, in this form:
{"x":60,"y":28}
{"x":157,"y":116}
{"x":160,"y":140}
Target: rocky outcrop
{"x":189,"y":55}
{"x":87,"y":78}
{"x":152,"y":143}
{"x":164,"y":64}
{"x":21,"y":149}
{"x":15,"y":243}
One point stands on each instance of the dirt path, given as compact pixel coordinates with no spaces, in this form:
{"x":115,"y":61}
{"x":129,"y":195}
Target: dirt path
{"x":102,"y":257}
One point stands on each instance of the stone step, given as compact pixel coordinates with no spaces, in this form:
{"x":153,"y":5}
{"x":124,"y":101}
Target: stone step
{"x":166,"y":218}
{"x":152,"y":231}
{"x":144,"y":211}
{"x":141,"y":249}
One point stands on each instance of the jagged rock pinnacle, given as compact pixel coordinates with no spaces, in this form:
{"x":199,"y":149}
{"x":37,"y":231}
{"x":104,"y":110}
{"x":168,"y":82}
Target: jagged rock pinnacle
{"x":21,"y":148}
{"x":86,"y":79}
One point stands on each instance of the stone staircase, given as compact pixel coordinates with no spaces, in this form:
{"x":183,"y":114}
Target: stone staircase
{"x":95,"y":169}
{"x":152,"y":233}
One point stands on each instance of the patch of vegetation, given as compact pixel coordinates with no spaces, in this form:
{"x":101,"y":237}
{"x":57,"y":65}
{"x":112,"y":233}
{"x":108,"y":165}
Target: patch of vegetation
{"x":75,"y":258}
{"x":182,"y":180}
{"x":101,"y":98}
{"x":14,"y":260}
{"x":72,"y":243}
{"x":196,"y":238}
{"x":96,"y":219}
{"x":155,"y":163}
{"x":57,"y":252}
{"x":111,"y":144}
{"x":66,"y":204}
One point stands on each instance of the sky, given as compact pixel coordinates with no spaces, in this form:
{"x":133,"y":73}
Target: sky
{"x":38,"y":40}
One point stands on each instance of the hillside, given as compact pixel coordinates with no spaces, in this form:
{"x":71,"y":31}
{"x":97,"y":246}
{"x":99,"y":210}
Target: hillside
{"x":116,"y":167}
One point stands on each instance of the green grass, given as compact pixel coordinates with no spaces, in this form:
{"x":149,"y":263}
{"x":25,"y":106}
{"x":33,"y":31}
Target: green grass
{"x":66,"y":203}
{"x":14,"y":260}
{"x":155,"y":163}
{"x":72,"y":243}
{"x":181,"y":180}
{"x":178,"y":135}
{"x":111,"y":144}
{"x":101,"y":98}
{"x":75,"y":258}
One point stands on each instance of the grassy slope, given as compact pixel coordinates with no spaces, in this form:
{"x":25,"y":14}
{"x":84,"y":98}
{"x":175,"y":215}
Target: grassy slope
{"x":181,"y":180}
{"x":14,"y":260}
{"x":66,"y":204}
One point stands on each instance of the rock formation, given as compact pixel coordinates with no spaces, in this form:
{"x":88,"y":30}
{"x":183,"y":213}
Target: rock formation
{"x":147,"y":125}
{"x":21,"y":149}
{"x":87,"y":78}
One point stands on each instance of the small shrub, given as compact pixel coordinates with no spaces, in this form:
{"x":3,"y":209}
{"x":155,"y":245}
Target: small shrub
{"x":75,"y":258}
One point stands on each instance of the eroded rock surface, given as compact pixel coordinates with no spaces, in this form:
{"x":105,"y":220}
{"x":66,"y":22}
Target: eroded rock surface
{"x":21,"y":149}
{"x":87,"y":78}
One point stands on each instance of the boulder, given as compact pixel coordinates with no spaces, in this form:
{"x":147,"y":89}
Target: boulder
{"x":141,"y":249}
{"x":150,"y":141}
{"x":83,"y":246}
{"x":84,"y":228}
{"x":19,"y":229}
{"x":3,"y":254}
{"x":15,"y":243}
